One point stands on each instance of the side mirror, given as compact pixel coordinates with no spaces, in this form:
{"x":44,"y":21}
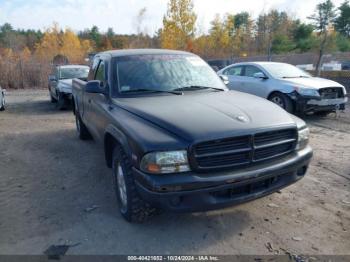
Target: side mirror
{"x":224,"y":79}
{"x":52,"y":78}
{"x":260,"y":75}
{"x":94,"y":86}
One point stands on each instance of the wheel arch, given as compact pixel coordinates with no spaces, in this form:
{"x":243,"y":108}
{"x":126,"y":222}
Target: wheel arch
{"x":288,"y":95}
{"x":274,"y":92}
{"x":114,"y":137}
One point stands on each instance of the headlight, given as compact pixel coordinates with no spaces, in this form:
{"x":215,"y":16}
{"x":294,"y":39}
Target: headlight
{"x":307,"y":91}
{"x":165,"y":162}
{"x":303,"y":138}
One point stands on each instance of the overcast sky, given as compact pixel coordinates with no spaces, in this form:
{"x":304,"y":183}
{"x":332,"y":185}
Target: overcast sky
{"x":120,"y":14}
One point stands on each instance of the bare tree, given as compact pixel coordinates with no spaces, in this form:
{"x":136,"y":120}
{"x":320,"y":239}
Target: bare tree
{"x":140,"y":18}
{"x":141,"y":31}
{"x":323,"y":18}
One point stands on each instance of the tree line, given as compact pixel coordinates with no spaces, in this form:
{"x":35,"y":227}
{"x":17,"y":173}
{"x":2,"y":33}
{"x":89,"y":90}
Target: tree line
{"x":229,"y":36}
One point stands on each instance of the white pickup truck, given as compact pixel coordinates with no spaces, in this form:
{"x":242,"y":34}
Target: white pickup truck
{"x":60,"y":83}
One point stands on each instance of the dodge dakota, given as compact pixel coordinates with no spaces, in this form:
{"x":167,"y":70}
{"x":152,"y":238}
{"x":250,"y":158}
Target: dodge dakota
{"x":177,"y":139}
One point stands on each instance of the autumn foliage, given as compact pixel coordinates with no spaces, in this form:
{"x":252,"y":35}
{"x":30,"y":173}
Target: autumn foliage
{"x":179,"y":26}
{"x":29,"y":68}
{"x":27,"y":56}
{"x":66,"y":43}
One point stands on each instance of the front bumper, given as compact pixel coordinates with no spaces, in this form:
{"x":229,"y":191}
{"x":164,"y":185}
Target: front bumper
{"x":308,"y":104}
{"x":190,"y":192}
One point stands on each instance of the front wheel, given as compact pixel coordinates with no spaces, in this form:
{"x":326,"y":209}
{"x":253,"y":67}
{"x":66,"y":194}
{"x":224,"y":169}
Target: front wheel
{"x":283,"y":101}
{"x":52,"y":99}
{"x":2,"y":103}
{"x":132,"y":207}
{"x":61,"y":101}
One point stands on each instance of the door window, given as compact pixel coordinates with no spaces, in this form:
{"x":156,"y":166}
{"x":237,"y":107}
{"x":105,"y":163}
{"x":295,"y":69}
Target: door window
{"x":234,"y":71}
{"x":100,"y":72}
{"x":251,"y":70}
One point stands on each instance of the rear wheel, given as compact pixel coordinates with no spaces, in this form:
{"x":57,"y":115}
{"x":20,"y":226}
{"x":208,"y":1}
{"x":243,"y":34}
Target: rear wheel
{"x":83,"y":132}
{"x":132,"y":207}
{"x":283,"y":101}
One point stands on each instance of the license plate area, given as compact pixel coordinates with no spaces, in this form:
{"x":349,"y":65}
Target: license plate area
{"x":248,"y":189}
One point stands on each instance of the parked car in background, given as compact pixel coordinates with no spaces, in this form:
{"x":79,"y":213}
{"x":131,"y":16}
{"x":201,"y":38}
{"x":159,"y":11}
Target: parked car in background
{"x":345,"y":65}
{"x":218,"y":64}
{"x":176,"y":139}
{"x":2,"y":99}
{"x":287,"y":86}
{"x":60,"y":83}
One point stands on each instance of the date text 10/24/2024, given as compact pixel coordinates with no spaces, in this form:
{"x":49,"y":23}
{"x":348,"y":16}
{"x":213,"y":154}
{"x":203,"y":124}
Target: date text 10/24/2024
{"x":173,"y":258}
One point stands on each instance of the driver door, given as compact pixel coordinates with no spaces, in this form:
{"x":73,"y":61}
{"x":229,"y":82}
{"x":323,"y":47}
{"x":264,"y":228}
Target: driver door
{"x":97,"y":103}
{"x":251,"y":84}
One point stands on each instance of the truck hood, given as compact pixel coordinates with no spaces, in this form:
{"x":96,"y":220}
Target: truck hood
{"x":208,"y":115}
{"x":312,"y":82}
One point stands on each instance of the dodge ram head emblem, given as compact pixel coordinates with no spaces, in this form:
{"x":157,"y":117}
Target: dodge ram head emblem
{"x":242,"y":119}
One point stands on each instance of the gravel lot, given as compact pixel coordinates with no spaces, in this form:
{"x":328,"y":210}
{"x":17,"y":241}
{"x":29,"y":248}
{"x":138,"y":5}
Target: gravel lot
{"x":56,"y":189}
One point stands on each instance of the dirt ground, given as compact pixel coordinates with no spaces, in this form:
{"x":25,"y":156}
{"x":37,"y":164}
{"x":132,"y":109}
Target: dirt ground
{"x":56,"y":189}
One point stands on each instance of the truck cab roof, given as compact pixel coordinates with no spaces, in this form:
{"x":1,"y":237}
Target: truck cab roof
{"x":128,"y":52}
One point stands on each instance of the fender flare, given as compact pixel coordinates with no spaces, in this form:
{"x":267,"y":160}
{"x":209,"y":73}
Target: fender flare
{"x":290,"y":93}
{"x":120,"y":138}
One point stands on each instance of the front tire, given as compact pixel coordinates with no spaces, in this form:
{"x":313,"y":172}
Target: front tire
{"x":2,"y":103}
{"x":283,"y":101}
{"x":52,"y":99}
{"x":61,"y":101}
{"x":132,"y":207}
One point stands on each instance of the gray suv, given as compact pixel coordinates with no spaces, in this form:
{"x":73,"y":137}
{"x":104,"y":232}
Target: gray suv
{"x":287,"y":86}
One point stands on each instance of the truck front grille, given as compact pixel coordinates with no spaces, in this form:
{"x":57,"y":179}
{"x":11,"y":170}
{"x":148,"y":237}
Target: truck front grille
{"x":244,"y":150}
{"x":331,"y":92}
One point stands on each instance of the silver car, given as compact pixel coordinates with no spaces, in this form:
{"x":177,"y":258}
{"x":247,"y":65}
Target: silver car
{"x":286,"y":85}
{"x":60,"y":83}
{"x":2,"y":99}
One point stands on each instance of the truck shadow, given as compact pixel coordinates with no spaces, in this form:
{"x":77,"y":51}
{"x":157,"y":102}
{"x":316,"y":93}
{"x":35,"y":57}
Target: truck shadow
{"x":37,"y":107}
{"x":60,"y":184}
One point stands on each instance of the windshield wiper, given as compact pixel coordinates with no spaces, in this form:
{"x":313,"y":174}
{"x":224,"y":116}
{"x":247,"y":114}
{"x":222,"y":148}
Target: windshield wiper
{"x":153,"y":91}
{"x":194,"y":87}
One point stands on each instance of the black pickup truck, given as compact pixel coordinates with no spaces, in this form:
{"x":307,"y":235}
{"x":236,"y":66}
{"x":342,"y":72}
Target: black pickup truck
{"x":177,"y":139}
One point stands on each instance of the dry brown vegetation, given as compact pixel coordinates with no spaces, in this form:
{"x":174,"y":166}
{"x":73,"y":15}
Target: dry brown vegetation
{"x":26,"y":57}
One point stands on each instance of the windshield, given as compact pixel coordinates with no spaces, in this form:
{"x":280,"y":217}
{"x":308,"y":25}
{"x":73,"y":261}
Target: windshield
{"x":145,"y":73}
{"x":280,"y":70}
{"x":74,"y":72}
